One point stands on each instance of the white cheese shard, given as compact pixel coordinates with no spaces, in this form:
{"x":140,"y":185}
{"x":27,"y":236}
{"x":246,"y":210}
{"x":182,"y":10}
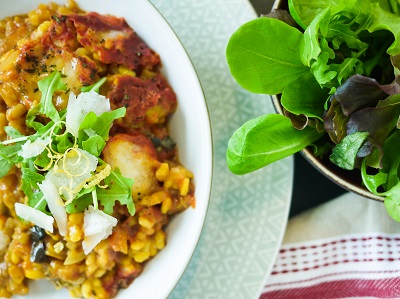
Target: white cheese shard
{"x":35,"y":216}
{"x":97,"y":227}
{"x":79,"y":107}
{"x":33,"y":149}
{"x":55,"y":204}
{"x":71,"y":172}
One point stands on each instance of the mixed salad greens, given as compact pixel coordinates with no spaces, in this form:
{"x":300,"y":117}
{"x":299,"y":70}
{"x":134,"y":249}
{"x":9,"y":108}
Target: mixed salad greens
{"x":62,"y":171}
{"x":336,"y":66}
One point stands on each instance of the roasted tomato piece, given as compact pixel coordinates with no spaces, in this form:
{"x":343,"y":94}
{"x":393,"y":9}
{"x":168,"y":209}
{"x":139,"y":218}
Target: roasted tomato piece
{"x":142,"y":98}
{"x":114,"y":41}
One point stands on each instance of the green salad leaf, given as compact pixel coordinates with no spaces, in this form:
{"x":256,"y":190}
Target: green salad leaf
{"x":258,"y":62}
{"x":266,"y":139}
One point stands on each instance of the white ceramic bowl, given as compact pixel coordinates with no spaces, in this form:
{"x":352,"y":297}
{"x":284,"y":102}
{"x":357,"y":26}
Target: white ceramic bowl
{"x":190,"y":127}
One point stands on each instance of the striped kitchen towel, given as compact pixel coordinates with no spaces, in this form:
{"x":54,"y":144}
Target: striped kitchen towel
{"x":346,"y":248}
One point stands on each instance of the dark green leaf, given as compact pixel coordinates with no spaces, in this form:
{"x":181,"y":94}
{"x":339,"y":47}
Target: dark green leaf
{"x":344,"y":154}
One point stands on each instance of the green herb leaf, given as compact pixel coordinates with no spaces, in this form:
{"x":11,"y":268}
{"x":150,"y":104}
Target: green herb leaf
{"x":94,"y":145}
{"x":101,"y":124}
{"x":12,"y":132}
{"x":47,"y":86}
{"x":9,"y":157}
{"x":95,"y":87}
{"x":261,"y":64}
{"x":80,"y":203}
{"x":264,"y":140}
{"x":119,"y":189}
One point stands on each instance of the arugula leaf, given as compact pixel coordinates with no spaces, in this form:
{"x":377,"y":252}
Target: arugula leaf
{"x":12,"y":132}
{"x":119,"y":189}
{"x":101,"y":124}
{"x":94,"y":87}
{"x":5,"y":167}
{"x":94,"y":145}
{"x":264,"y":140}
{"x":80,"y":203}
{"x":47,"y":86}
{"x":9,"y":157}
{"x":30,"y":180}
{"x":258,"y":62}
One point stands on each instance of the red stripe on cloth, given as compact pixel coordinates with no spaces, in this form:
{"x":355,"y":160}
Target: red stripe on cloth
{"x":383,"y":288}
{"x":342,"y":241}
{"x":331,"y":275}
{"x":295,"y":270}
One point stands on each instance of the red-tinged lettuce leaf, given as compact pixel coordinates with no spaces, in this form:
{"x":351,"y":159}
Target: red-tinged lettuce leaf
{"x":378,"y":122}
{"x":335,"y":122}
{"x":282,"y":15}
{"x":359,"y":92}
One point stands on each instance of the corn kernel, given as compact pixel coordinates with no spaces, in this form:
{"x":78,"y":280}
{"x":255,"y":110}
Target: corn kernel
{"x":86,"y":289}
{"x":15,"y":259}
{"x":159,"y":239}
{"x":16,"y":273}
{"x":34,"y":274}
{"x":166,"y":205}
{"x":137,"y":245}
{"x":162,"y":172}
{"x":145,"y":222}
{"x":184,"y":188}
{"x":140,"y":257}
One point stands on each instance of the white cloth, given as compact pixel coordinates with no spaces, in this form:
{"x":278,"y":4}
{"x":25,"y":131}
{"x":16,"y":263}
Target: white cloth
{"x":346,"y":248}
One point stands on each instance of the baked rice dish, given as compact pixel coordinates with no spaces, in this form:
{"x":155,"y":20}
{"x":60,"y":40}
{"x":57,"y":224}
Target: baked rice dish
{"x":90,"y":176}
